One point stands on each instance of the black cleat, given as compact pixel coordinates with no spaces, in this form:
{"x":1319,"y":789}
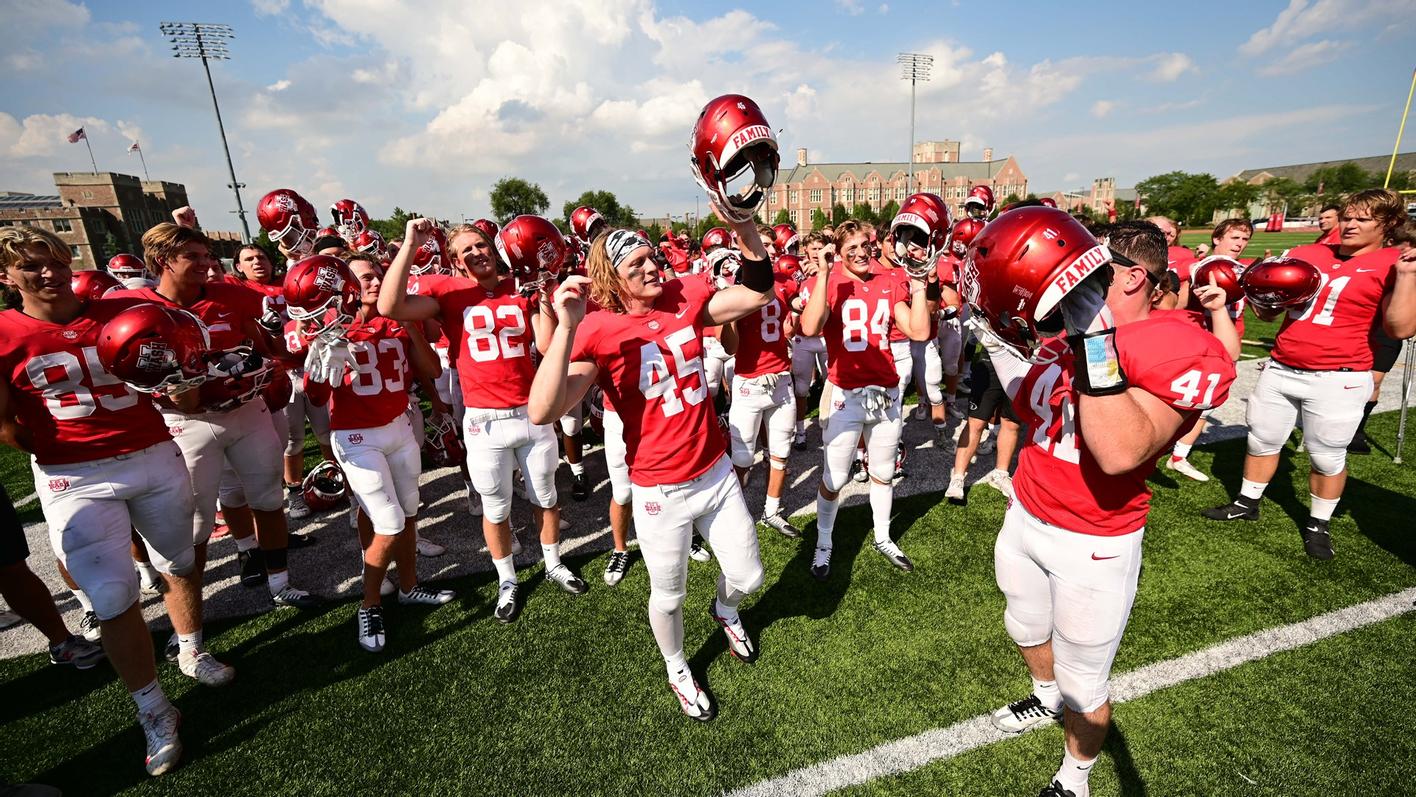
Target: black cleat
{"x":821,"y":564}
{"x":1317,"y":541}
{"x":1056,"y":790}
{"x":578,"y":490}
{"x":1238,"y":509}
{"x":508,"y":602}
{"x":253,"y":572}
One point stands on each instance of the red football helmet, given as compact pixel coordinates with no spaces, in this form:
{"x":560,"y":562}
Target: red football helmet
{"x":155,"y":348}
{"x":321,"y":293}
{"x":965,"y":230}
{"x":785,"y":238}
{"x":1048,"y":202}
{"x":92,"y":284}
{"x":127,"y":266}
{"x":289,"y":220}
{"x":534,"y":249}
{"x":234,"y":377}
{"x":324,"y":487}
{"x":979,"y":201}
{"x":350,"y":218}
{"x":487,"y":226}
{"x":1226,"y":273}
{"x":370,"y":242}
{"x":278,"y":391}
{"x":716,"y":237}
{"x":432,"y":257}
{"x":1021,"y":265}
{"x":441,"y":444}
{"x":328,"y":232}
{"x":730,"y":139}
{"x":1281,"y":282}
{"x":923,"y":222}
{"x":586,"y":224}
{"x":788,"y":265}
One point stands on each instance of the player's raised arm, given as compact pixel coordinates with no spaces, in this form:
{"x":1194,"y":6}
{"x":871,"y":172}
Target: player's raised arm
{"x":559,"y":383}
{"x":394,"y":300}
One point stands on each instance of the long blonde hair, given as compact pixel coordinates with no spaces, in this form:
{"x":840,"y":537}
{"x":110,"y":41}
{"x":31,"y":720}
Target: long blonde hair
{"x":456,"y":263}
{"x":14,"y":239}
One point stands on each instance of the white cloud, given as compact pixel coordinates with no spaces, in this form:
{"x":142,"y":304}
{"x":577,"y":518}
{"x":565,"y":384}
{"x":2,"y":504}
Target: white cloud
{"x":279,"y":85}
{"x":43,"y":135}
{"x":852,"y":7}
{"x":1304,"y":56}
{"x":1170,"y":66}
{"x":23,"y":60}
{"x":1101,"y":108}
{"x":1302,"y":19}
{"x":268,"y":8}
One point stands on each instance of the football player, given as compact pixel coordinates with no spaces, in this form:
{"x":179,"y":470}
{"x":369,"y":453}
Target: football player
{"x":365,"y":374}
{"x":104,"y":464}
{"x":494,"y":324}
{"x":808,"y":352}
{"x":1321,"y":363}
{"x":854,"y":305}
{"x":1329,"y":231}
{"x":1103,"y":400}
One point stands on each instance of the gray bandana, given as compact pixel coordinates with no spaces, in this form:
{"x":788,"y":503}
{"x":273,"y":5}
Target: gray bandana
{"x":622,"y":243}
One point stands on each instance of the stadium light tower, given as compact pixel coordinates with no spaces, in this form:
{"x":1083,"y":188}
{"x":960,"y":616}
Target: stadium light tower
{"x":208,"y":42}
{"x":914,"y":67}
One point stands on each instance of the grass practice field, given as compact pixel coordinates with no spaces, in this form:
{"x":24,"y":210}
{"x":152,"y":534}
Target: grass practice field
{"x":572,"y":699}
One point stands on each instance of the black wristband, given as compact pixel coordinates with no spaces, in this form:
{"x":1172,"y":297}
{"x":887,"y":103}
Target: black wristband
{"x":1097,"y":364}
{"x":933,"y":291}
{"x":756,"y":274}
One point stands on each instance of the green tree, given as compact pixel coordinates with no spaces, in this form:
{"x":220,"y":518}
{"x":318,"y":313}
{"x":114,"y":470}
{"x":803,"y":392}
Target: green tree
{"x":513,"y":196}
{"x":1235,"y":197}
{"x":1010,"y":199}
{"x":1188,"y":198}
{"x":608,"y":205}
{"x":889,"y":212}
{"x":864,"y":212}
{"x":1281,"y":195}
{"x":1346,"y":178}
{"x":782,"y":217}
{"x":393,"y":226}
{"x":655,"y":231}
{"x":838,"y":214}
{"x":819,"y":219}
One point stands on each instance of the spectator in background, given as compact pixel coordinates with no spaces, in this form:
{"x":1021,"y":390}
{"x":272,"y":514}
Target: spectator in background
{"x":1327,"y":225}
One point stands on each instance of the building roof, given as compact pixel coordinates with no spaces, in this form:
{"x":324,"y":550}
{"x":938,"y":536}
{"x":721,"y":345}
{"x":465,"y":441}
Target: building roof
{"x":1124,"y":194}
{"x":19,"y":200}
{"x":973,"y":170}
{"x":1405,"y":162}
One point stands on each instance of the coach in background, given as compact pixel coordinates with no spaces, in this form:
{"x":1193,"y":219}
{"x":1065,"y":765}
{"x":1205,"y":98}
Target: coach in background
{"x":1322,"y":360}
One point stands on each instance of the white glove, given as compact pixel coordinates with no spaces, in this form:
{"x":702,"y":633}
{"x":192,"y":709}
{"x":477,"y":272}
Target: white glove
{"x":328,"y":361}
{"x":875,"y":399}
{"x":1084,"y":307}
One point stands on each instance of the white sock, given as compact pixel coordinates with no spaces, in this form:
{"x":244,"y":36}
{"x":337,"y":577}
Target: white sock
{"x":247,"y":543}
{"x":278,"y":581}
{"x":882,"y":499}
{"x":577,"y":468}
{"x":552,"y":555}
{"x":151,"y":699}
{"x":1181,"y":450}
{"x":676,"y":663}
{"x":190,"y":643}
{"x":772,"y":506}
{"x":82,"y":599}
{"x":1048,"y":693}
{"x":729,"y":613}
{"x":148,"y":572}
{"x":825,"y":519}
{"x":506,"y":570}
{"x":1322,"y":507}
{"x":1074,"y":773}
{"x":1254,"y":490}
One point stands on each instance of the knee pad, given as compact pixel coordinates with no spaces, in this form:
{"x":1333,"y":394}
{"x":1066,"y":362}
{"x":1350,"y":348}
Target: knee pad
{"x":741,"y":455}
{"x":181,"y":565}
{"x":882,"y":472}
{"x":1328,"y":463}
{"x":232,"y":495}
{"x":1261,"y":448}
{"x":1028,"y":632}
{"x":1082,"y":695}
{"x":268,"y":499}
{"x":112,"y":598}
{"x":621,"y":493}
{"x":295,"y":441}
{"x":751,"y":582}
{"x":496,"y":508}
{"x":665,"y":602}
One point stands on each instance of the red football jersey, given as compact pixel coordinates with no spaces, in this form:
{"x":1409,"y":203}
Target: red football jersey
{"x":1180,"y":259}
{"x":651,"y":372}
{"x":375,"y":388}
{"x":859,"y":317}
{"x":421,"y":284}
{"x":224,"y":307}
{"x":73,"y":409}
{"x":1330,"y":333}
{"x":762,"y":336}
{"x":1057,"y":479}
{"x":1333,"y":236}
{"x":494,"y":339}
{"x":274,"y":292}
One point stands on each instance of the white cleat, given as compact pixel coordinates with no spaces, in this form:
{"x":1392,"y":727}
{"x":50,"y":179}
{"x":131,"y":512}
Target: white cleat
{"x":999,"y":480}
{"x":426,"y":596}
{"x":204,"y":667}
{"x":739,"y":643}
{"x":371,"y":628}
{"x":1183,"y":466}
{"x":164,"y":747}
{"x":617,"y":567}
{"x":427,"y":547}
{"x":567,"y":580}
{"x":692,"y":699}
{"x":698,"y":553}
{"x":955,"y":493}
{"x":1021,"y":715}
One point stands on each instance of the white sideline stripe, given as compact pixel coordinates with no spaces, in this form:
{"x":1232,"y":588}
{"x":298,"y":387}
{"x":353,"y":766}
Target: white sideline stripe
{"x":29,"y":499}
{"x":904,"y":755}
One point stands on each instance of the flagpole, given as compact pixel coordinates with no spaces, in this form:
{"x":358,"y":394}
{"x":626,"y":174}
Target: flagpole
{"x":90,"y":149}
{"x":138,"y":149}
{"x":1400,"y":130}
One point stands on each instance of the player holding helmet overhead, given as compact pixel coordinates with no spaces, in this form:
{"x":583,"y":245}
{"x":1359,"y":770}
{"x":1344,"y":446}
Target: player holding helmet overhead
{"x":494,"y":321}
{"x":105,"y":464}
{"x":1103,"y":400}
{"x":644,"y":348}
{"x":367,"y":387}
{"x":1322,"y":358}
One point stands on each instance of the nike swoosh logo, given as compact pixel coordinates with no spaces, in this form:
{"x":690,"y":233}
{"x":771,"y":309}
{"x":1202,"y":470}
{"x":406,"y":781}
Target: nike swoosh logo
{"x":1103,"y":558}
{"x":1364,"y":270}
{"x":1350,"y":387}
{"x":680,"y":313}
{"x":1233,"y":515}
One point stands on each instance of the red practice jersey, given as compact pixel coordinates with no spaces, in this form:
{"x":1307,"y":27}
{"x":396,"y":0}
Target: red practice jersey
{"x":224,"y":308}
{"x":1057,"y":478}
{"x":1180,"y":259}
{"x":762,"y":336}
{"x":1331,"y":332}
{"x":274,"y":293}
{"x":859,"y":317}
{"x":494,"y":339}
{"x":375,"y":388}
{"x":651,"y":372}
{"x":72,"y":409}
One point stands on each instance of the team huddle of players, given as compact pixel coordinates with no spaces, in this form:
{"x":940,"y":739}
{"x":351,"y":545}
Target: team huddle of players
{"x":147,"y":405}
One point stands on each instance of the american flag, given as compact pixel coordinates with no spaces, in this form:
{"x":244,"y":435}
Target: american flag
{"x":77,"y":136}
{"x":135,"y":147}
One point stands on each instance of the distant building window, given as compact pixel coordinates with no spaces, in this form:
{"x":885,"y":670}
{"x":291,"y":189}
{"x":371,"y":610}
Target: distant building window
{"x":63,"y":225}
{"x":900,"y":194}
{"x":772,"y":198}
{"x":848,"y":195}
{"x":74,"y":252}
{"x":88,"y":195}
{"x":874,"y":195}
{"x":816,"y":196}
{"x":793,"y":198}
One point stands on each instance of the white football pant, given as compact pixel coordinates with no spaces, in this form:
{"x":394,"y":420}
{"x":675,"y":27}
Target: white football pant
{"x":1331,"y":403}
{"x":845,"y":418}
{"x":498,"y":440}
{"x":766,"y":400}
{"x":246,"y":438}
{"x":381,"y":467}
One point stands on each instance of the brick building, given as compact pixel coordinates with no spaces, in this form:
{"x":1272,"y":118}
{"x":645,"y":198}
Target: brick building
{"x":818,"y":186}
{"x":1102,"y":191}
{"x":100,"y":215}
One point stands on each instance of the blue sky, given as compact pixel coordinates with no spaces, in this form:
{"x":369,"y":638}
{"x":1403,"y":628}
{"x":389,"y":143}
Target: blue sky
{"x":426,"y":104}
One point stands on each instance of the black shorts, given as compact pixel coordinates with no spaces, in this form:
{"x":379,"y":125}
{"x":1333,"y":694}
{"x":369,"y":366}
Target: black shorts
{"x":14,"y":549}
{"x":1384,"y":352}
{"x":986,"y":396}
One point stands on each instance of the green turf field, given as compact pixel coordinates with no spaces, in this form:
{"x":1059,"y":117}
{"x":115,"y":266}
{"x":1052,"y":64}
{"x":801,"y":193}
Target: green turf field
{"x":572,"y":699}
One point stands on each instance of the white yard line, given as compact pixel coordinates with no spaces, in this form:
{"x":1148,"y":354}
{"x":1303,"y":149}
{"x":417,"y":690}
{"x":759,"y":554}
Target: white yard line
{"x":904,"y":755}
{"x":27,"y":500}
